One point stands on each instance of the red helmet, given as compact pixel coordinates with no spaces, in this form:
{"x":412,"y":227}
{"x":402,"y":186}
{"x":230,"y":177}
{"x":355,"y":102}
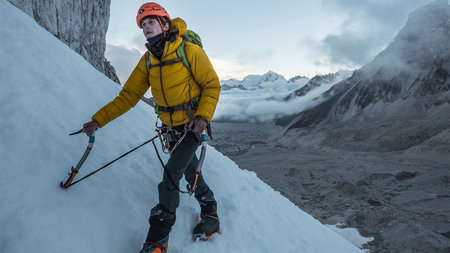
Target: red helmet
{"x":150,"y":9}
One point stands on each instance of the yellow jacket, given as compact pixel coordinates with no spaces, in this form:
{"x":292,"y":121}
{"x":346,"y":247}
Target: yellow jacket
{"x":171,"y":85}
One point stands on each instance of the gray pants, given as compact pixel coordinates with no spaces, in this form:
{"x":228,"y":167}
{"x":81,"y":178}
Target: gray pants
{"x":182,"y":161}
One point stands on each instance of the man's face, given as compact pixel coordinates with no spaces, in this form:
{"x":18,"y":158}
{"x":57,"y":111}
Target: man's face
{"x":151,"y":27}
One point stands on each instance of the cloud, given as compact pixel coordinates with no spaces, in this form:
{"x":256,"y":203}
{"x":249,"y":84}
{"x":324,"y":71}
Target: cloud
{"x":123,"y":59}
{"x":349,"y":49}
{"x":240,"y":65}
{"x":250,"y":108}
{"x":138,"y":41}
{"x":368,"y":27}
{"x":386,"y":13}
{"x":227,"y":69}
{"x":257,"y":105}
{"x":256,"y":57}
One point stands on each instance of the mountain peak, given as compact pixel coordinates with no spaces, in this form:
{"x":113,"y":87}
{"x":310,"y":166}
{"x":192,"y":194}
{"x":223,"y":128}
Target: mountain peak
{"x":410,"y":78}
{"x":252,"y":82}
{"x":257,"y":80}
{"x":423,"y":40}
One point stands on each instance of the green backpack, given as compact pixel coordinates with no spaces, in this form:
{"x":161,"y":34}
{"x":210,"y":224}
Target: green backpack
{"x":191,"y":37}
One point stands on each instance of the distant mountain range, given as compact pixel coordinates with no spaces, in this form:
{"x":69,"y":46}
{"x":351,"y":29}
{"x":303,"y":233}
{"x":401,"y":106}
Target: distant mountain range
{"x":252,"y":82}
{"x":298,"y":85}
{"x":259,"y":98}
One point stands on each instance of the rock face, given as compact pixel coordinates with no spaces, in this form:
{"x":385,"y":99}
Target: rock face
{"x":81,"y":24}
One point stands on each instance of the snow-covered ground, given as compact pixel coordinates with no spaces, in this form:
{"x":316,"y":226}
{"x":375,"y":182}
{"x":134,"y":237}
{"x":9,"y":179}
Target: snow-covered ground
{"x":47,"y":92}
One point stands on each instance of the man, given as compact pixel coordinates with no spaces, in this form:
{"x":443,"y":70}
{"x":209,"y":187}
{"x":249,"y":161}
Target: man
{"x":186,"y":100}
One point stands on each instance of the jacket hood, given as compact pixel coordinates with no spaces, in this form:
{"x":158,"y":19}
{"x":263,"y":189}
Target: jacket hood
{"x":178,"y":27}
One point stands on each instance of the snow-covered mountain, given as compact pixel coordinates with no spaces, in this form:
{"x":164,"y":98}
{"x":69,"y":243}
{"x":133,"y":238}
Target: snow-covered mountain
{"x":322,"y":82}
{"x":253,"y":82}
{"x":47,"y":92}
{"x":256,"y":81}
{"x":230,"y":84}
{"x":398,"y":100}
{"x":297,"y":79}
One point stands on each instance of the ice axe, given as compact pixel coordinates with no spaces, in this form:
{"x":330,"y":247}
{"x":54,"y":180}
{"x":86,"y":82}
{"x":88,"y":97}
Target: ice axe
{"x":75,"y":170}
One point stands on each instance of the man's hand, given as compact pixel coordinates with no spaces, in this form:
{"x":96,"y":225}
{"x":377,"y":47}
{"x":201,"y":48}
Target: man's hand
{"x":198,"y":125}
{"x":90,"y":127}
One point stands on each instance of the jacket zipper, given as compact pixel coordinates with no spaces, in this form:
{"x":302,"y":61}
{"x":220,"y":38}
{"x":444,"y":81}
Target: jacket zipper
{"x":164,"y":95}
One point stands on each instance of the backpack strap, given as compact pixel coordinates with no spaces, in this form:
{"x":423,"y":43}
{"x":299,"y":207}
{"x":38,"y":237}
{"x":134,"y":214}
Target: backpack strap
{"x":181,"y":54}
{"x":163,"y":63}
{"x":147,"y":61}
{"x":181,"y":57}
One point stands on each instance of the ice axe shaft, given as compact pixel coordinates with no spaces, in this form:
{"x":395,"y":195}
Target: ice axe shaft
{"x":198,"y":170}
{"x":75,"y":170}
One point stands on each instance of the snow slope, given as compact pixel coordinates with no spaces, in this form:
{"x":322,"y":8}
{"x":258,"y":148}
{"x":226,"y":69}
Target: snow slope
{"x":47,"y":92}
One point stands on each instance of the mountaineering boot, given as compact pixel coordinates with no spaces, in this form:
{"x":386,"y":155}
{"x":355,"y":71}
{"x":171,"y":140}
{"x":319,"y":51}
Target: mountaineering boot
{"x":161,"y":222}
{"x":209,"y":220}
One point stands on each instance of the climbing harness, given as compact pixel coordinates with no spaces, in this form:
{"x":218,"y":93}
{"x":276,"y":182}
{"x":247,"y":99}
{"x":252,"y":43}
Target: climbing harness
{"x":170,"y":139}
{"x":189,"y":107}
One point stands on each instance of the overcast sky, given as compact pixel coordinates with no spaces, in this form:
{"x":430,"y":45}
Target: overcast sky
{"x":254,"y":36}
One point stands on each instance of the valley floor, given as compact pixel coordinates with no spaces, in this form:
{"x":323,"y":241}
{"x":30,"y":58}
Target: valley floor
{"x":401,"y":199}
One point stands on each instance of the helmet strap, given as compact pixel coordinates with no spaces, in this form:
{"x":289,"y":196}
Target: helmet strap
{"x":162,"y":26}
